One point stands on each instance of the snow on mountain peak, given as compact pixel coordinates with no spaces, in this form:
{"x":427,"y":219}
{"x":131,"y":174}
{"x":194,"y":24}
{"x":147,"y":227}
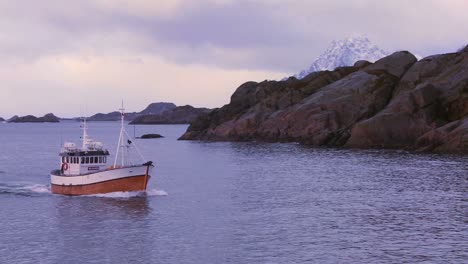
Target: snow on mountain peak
{"x":345,"y":53}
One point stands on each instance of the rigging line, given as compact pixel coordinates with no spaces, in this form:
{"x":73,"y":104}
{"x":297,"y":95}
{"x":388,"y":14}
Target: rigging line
{"x":136,"y":147}
{"x":118,"y":149}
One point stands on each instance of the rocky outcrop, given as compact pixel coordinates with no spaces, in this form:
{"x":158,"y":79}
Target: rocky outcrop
{"x":48,"y":118}
{"x":152,"y":109}
{"x":179,"y":115}
{"x":1,"y":119}
{"x":149,"y":136}
{"x":396,"y":102}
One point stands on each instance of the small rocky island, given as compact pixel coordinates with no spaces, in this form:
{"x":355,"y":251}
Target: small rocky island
{"x":1,"y":119}
{"x":48,"y":118}
{"x":396,"y":102}
{"x":148,"y":136}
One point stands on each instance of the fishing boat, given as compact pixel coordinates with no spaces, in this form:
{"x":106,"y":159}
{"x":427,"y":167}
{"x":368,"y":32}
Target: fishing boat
{"x":84,"y":170}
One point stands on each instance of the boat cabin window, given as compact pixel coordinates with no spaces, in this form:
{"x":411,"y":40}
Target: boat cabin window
{"x":85,"y":160}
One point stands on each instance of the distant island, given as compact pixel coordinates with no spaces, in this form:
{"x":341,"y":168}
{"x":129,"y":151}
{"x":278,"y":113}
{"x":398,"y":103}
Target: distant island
{"x":152,"y":109}
{"x":178,"y":115}
{"x":396,"y":102}
{"x":156,"y":113}
{"x":48,"y":118}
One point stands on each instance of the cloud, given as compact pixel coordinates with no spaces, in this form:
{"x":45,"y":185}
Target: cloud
{"x":52,"y":45}
{"x":276,"y":35}
{"x":65,"y":84}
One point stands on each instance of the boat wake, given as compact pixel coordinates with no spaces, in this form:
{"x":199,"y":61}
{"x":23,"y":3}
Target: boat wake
{"x":24,"y":189}
{"x":41,"y":189}
{"x":148,"y":193}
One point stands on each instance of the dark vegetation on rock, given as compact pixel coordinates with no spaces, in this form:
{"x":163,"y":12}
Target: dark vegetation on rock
{"x":396,"y":102}
{"x":48,"y":118}
{"x":148,"y":136}
{"x":178,"y":115}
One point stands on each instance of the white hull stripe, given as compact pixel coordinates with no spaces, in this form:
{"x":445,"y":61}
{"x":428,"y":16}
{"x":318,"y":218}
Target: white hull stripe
{"x":101,"y":176}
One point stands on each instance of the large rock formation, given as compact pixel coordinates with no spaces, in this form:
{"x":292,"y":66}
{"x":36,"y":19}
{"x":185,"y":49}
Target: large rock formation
{"x":48,"y":118}
{"x":1,"y":119}
{"x":396,"y":102}
{"x":179,"y":115}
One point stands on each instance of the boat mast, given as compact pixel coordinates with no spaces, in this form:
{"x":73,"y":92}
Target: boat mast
{"x":121,"y":143}
{"x":85,"y":132}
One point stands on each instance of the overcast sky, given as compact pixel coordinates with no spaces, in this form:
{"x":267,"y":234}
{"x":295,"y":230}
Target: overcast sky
{"x":65,"y":56}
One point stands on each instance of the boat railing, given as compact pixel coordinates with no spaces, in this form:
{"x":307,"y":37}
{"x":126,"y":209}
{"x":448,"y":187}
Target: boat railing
{"x":60,"y":173}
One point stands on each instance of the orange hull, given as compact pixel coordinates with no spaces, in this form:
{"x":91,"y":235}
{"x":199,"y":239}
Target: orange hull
{"x":128,"y":184}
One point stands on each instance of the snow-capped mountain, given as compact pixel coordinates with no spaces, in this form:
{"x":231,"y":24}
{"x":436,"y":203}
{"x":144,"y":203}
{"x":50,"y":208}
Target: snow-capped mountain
{"x":345,"y":53}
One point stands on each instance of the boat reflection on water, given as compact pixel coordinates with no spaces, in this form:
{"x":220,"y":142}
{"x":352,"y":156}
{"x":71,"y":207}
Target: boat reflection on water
{"x":106,"y":206}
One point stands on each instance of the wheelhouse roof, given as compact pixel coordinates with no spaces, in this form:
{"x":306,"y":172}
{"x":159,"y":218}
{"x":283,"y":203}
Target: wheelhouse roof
{"x":87,"y":153}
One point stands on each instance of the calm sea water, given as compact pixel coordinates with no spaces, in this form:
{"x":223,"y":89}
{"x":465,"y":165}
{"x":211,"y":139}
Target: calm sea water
{"x":233,"y":203}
